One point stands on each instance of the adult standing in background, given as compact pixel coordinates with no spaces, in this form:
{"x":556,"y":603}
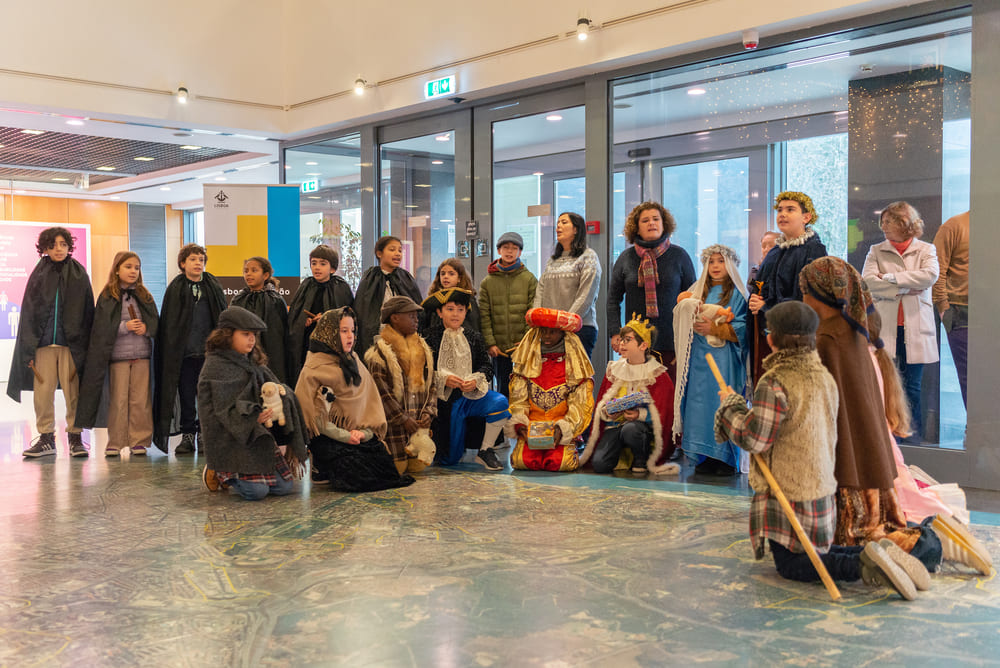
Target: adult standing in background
{"x":649,"y":276}
{"x":951,"y":291}
{"x":900,"y":272}
{"x":572,"y":277}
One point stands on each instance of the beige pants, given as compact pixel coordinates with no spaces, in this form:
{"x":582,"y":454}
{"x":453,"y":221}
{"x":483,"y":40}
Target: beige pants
{"x":54,"y":365}
{"x":130,"y":409}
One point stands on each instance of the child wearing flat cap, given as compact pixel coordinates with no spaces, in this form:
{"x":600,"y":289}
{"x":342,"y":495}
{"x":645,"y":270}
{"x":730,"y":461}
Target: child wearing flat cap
{"x":463,"y":373}
{"x":551,"y":393}
{"x":402,"y":365}
{"x":793,"y":427}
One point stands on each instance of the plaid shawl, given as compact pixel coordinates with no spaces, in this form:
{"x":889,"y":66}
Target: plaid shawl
{"x":648,"y":277}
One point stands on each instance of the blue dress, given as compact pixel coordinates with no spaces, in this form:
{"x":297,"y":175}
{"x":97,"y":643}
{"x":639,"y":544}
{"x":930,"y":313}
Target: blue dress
{"x":701,"y":396}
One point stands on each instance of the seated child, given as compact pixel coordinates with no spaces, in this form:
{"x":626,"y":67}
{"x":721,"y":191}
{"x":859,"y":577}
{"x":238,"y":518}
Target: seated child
{"x":243,"y":453}
{"x":793,"y":426}
{"x":403,"y":368}
{"x":634,"y":438}
{"x":463,"y":372}
{"x":552,"y":385}
{"x":342,"y":411}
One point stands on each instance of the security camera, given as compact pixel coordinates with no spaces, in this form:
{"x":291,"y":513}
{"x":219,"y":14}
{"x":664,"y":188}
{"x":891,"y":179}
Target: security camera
{"x":751,"y":38}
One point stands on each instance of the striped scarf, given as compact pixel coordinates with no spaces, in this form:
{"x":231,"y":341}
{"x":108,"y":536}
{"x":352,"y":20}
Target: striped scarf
{"x":648,"y":277}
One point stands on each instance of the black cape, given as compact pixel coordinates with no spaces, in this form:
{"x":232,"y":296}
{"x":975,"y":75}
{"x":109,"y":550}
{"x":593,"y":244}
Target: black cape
{"x":268,"y":305}
{"x":336,"y":293}
{"x":103,"y":335}
{"x":369,"y":298}
{"x":76,"y":312}
{"x":168,"y":352}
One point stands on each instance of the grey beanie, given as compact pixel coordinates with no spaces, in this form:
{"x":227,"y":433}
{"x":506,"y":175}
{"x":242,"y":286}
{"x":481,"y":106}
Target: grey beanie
{"x":792,"y":318}
{"x":510,"y":237}
{"x":237,"y":317}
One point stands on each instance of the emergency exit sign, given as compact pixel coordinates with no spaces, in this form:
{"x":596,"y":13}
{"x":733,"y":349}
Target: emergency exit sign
{"x":310,"y":186}
{"x":440,"y":87}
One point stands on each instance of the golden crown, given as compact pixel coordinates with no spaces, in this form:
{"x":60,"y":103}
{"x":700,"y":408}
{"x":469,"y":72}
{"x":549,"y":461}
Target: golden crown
{"x":642,"y":328}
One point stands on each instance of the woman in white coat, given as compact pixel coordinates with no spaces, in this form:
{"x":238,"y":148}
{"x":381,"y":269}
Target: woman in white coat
{"x":900,"y":272}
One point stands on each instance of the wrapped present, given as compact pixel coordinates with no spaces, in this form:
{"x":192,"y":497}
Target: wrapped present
{"x":630,"y":400}
{"x":541,"y":436}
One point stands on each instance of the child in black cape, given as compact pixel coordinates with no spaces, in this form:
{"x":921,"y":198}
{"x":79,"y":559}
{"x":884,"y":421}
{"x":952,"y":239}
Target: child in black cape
{"x":386,"y":279}
{"x":261,"y":298}
{"x":317,"y":294}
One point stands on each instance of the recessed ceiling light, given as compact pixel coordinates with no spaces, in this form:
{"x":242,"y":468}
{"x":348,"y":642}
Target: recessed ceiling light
{"x":313,"y":174}
{"x":115,"y":197}
{"x":143,"y":158}
{"x":165,"y":188}
{"x":312,"y":162}
{"x":410,"y":206}
{"x":105,"y":169}
{"x":59,"y":178}
{"x":433,"y":162}
{"x":314,"y":197}
{"x":288,"y":166}
{"x":220,"y":178}
{"x":443,"y":138}
{"x":538,"y":173}
{"x":696,"y":91}
{"x":189,"y":147}
{"x":553,"y":117}
{"x":33,"y":132}
{"x":74,"y":121}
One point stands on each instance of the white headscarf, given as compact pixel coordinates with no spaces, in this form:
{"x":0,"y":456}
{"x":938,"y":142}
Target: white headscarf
{"x":684,"y":316}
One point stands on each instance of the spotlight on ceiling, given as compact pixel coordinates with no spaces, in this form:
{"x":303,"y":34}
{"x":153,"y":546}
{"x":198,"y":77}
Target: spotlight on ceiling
{"x":182,"y":94}
{"x":360,"y":85}
{"x":583,"y":28}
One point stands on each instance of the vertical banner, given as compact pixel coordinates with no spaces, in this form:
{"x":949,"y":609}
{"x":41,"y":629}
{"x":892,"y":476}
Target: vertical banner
{"x":242,"y":221}
{"x":18,"y":258}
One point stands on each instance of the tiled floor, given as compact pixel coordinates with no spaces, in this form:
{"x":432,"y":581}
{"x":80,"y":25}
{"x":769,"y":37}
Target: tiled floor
{"x":131,"y":561}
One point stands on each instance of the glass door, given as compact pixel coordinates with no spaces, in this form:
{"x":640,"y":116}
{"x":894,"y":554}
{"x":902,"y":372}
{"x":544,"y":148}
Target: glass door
{"x":424,"y":193}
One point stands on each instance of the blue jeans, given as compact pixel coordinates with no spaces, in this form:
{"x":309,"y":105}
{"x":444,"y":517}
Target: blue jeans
{"x":588,"y":337}
{"x":912,"y":377}
{"x":843,"y":562}
{"x":255,"y":491}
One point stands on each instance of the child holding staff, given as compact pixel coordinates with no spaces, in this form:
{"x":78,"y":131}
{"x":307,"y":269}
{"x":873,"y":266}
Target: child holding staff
{"x":121,"y":344}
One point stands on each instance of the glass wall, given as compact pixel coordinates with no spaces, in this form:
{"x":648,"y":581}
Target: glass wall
{"x":856,"y":123}
{"x":330,"y":201}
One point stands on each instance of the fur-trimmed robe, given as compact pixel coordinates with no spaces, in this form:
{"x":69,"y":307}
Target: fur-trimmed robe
{"x":394,"y":385}
{"x":661,"y":389}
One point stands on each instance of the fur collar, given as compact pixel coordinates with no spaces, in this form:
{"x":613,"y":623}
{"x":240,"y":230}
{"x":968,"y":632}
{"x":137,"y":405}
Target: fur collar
{"x":409,"y":354}
{"x":382,"y":354}
{"x":784,"y":242}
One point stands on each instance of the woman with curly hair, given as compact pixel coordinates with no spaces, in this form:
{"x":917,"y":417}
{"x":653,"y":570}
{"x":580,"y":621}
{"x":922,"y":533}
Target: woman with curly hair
{"x":649,"y":275}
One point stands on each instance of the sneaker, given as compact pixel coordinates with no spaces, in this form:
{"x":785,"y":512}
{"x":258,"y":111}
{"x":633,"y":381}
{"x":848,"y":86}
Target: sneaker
{"x":138,"y":451}
{"x":211,"y":480}
{"x":111,"y":452}
{"x":186,"y":446}
{"x":488,"y":458}
{"x":43,"y":446}
{"x":958,"y":544}
{"x":319,"y":478}
{"x":878,"y":569}
{"x":76,"y":446}
{"x":912,"y":566}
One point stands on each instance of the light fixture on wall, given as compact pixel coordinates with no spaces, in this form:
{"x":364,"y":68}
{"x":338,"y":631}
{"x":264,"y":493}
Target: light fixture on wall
{"x":583,"y":26}
{"x":360,"y":85}
{"x":182,"y":94}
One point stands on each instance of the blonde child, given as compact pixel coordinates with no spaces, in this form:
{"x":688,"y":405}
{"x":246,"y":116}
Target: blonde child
{"x":261,"y":298}
{"x":121,"y":345}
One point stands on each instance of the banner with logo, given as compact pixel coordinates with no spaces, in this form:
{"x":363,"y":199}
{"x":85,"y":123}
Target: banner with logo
{"x":18,"y":257}
{"x":242,"y":221}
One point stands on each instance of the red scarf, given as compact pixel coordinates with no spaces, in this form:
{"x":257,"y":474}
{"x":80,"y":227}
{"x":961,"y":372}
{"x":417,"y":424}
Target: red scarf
{"x":648,"y":276}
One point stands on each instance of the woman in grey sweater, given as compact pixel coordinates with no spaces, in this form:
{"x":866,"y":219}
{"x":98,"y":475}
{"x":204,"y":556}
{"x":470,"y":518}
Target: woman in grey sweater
{"x":572,"y":277}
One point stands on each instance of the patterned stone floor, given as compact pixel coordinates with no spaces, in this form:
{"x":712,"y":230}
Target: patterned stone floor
{"x":129,"y":562}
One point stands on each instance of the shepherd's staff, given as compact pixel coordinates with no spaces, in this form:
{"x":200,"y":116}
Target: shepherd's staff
{"x":817,"y":563}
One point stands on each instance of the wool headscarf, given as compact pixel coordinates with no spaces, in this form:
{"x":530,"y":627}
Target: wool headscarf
{"x":649,"y":278}
{"x":839,"y":285}
{"x":325,"y":338}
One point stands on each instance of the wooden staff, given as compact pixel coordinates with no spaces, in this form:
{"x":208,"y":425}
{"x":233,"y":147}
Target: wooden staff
{"x":817,"y":563}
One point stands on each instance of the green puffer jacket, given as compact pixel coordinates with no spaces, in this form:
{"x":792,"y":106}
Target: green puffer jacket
{"x":504,"y":298}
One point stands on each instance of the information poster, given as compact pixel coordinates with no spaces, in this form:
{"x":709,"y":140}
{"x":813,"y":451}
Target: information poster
{"x":18,"y":258}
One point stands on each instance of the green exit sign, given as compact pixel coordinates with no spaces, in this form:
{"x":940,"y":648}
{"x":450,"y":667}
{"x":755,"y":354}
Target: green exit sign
{"x":310,"y":186}
{"x":440,"y":87}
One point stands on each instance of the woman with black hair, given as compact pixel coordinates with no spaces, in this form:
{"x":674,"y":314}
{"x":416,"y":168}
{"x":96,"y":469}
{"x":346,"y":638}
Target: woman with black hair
{"x":572,"y":277}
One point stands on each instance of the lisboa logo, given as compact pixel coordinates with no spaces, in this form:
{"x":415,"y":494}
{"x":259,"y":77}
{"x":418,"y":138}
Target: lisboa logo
{"x":221,"y":198}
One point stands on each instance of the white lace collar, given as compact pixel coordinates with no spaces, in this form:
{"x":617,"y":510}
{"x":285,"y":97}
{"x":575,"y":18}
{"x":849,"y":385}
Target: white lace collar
{"x":622,"y":370}
{"x":784,"y":242}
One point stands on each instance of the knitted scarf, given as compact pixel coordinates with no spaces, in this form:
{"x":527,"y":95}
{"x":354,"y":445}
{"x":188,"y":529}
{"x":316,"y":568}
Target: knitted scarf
{"x":648,"y":252}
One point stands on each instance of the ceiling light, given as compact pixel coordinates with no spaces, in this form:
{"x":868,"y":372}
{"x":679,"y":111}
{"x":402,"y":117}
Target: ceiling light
{"x":220,"y":178}
{"x":538,"y":173}
{"x":433,"y":162}
{"x":59,"y":178}
{"x":105,"y":169}
{"x":143,"y":158}
{"x":311,"y":163}
{"x":360,"y":85}
{"x":115,"y":197}
{"x":165,"y":188}
{"x":696,"y":91}
{"x":182,"y":94}
{"x":444,"y":137}
{"x":314,"y":174}
{"x":582,"y":28}
{"x":189,"y":147}
{"x":74,"y":121}
{"x":553,"y":117}
{"x":314,"y":197}
{"x":288,"y":166}
{"x":33,"y":132}
{"x":336,"y":201}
